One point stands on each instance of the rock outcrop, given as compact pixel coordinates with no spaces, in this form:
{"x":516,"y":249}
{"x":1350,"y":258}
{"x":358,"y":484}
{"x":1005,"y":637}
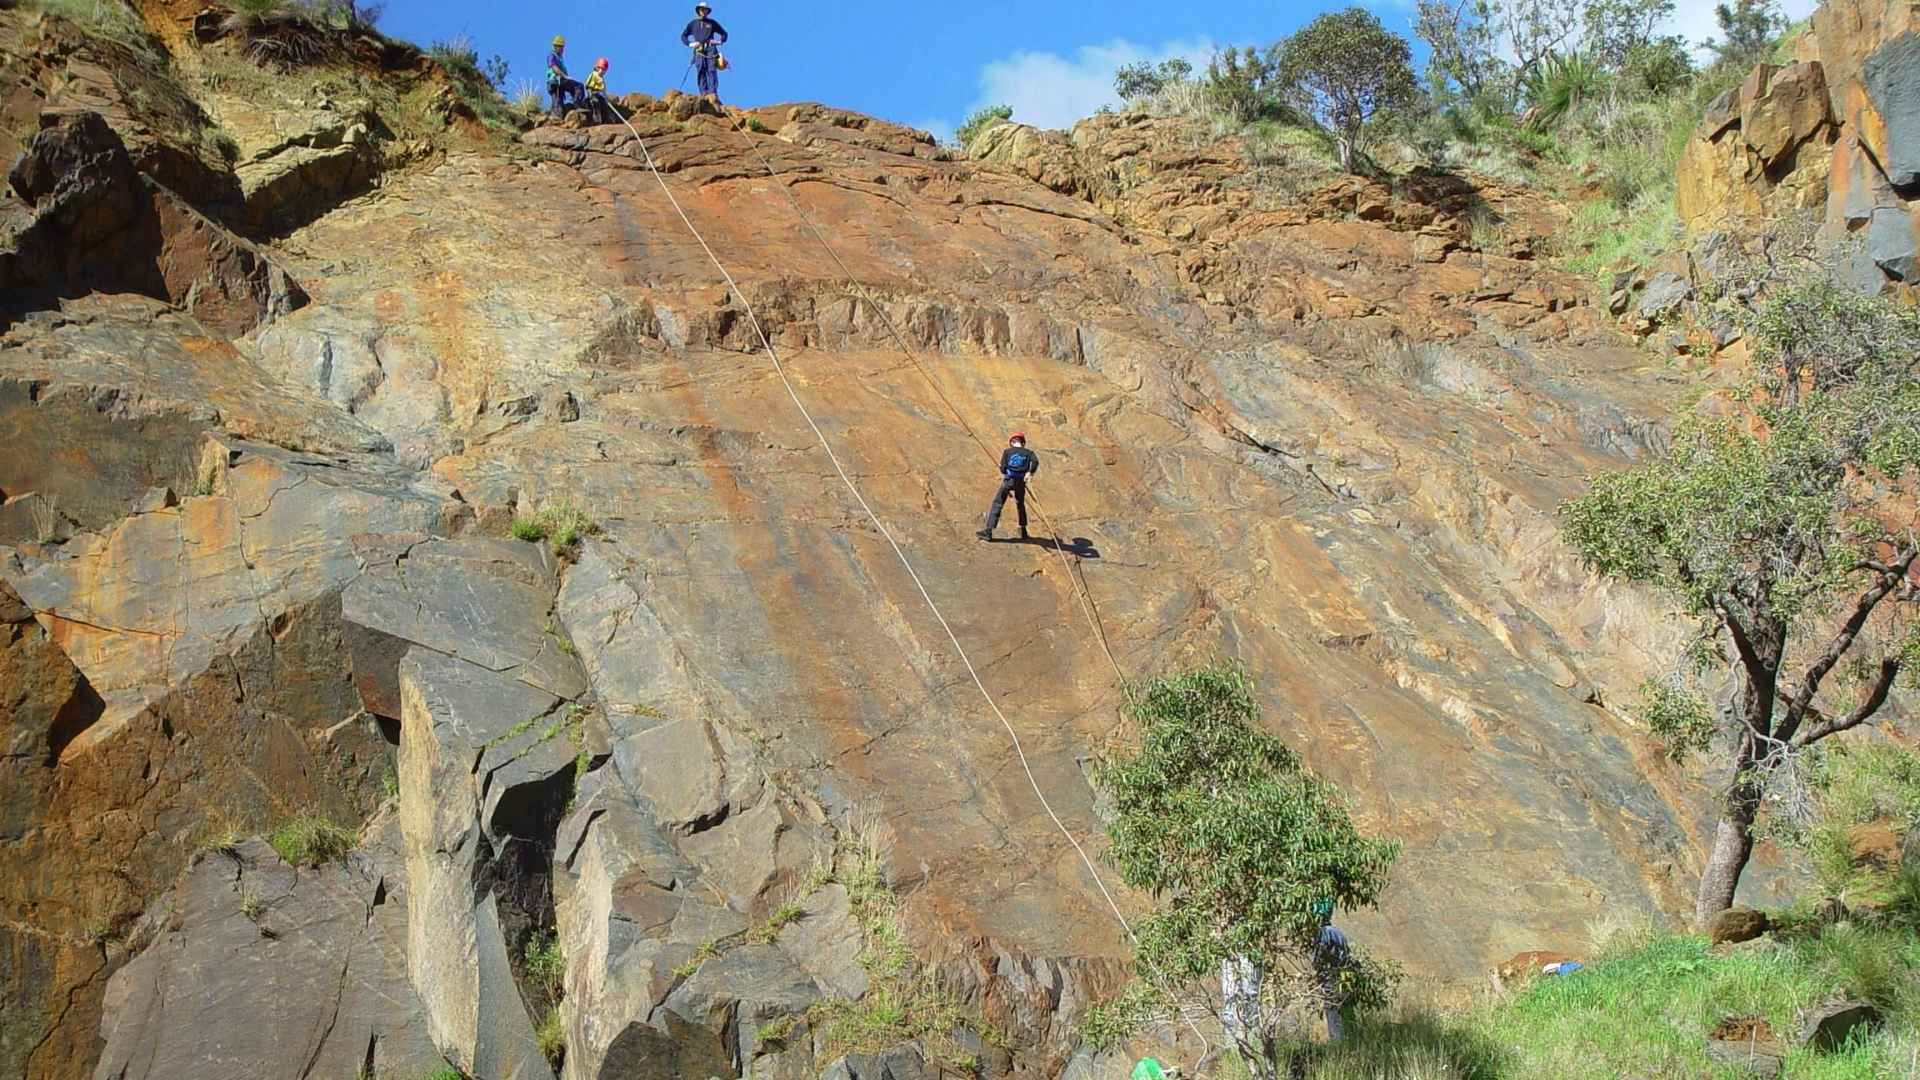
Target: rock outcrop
{"x":266,"y":553}
{"x":1835,"y":135}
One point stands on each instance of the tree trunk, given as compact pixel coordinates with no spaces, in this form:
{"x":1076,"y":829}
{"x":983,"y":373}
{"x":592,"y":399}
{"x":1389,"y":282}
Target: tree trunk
{"x":1345,"y":144}
{"x":1732,"y":847}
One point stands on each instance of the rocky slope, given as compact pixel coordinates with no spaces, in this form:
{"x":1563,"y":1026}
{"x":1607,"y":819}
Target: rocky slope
{"x":1834,"y":136}
{"x":273,"y":432}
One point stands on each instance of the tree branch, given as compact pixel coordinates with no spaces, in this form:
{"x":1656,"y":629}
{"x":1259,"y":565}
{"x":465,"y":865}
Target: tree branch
{"x":1876,"y":697}
{"x":1890,"y":577}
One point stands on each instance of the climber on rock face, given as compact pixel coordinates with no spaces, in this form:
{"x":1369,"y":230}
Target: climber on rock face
{"x":1016,"y":464}
{"x":561,"y":87}
{"x":599,"y":110}
{"x":706,"y":36}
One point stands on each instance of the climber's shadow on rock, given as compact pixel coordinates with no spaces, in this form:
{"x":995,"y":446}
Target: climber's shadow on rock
{"x":1080,"y":548}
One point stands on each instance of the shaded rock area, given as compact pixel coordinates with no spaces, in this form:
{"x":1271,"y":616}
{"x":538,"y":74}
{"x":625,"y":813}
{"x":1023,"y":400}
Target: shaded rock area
{"x":277,"y":420}
{"x":1737,"y":924}
{"x":1835,"y":135}
{"x":254,"y":968}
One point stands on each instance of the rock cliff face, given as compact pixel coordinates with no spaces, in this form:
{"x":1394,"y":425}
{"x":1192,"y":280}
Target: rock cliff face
{"x":1835,"y":135}
{"x":272,"y":433}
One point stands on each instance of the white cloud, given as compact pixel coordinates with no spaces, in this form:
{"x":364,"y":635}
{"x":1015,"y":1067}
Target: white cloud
{"x":1693,"y":19}
{"x":1049,"y":90}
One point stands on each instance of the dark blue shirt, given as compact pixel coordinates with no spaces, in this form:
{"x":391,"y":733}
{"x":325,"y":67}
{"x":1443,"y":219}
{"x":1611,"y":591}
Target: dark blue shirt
{"x":703,"y":31}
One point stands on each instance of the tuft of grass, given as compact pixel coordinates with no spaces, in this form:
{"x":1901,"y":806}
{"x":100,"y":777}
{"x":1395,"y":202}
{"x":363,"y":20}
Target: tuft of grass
{"x":708,"y":950}
{"x":788,"y":913}
{"x":112,"y":20}
{"x":551,"y":1035}
{"x":310,"y":840}
{"x":252,"y":906}
{"x":563,"y":523}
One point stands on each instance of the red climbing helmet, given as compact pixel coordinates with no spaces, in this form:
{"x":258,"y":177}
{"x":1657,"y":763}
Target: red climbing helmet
{"x":1017,"y":437}
{"x":601,"y":64}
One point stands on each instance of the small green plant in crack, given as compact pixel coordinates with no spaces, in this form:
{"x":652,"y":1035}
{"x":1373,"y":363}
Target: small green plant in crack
{"x":775,"y":1033}
{"x":551,"y":1035}
{"x":309,"y":840}
{"x":905,"y":1003}
{"x":544,"y":965}
{"x":788,"y":913}
{"x":99,"y":932}
{"x":251,"y":905}
{"x":563,"y":525}
{"x":708,"y":950}
{"x":560,"y":640}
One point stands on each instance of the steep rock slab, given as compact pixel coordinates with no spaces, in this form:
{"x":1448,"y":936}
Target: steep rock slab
{"x":160,"y":597}
{"x":109,"y":398}
{"x":633,"y":917}
{"x":453,"y":715}
{"x":44,"y":702}
{"x":255,"y":969}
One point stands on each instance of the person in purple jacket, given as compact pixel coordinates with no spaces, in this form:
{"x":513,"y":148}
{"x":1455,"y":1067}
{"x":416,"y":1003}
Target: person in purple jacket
{"x":705,"y":36}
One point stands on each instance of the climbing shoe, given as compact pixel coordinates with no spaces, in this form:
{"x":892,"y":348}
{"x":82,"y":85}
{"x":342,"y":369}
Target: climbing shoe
{"x":984,"y":535}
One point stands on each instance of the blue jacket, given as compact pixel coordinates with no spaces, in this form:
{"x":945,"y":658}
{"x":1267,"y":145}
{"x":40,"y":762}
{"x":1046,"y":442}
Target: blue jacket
{"x":556,"y":67}
{"x":703,"y":31}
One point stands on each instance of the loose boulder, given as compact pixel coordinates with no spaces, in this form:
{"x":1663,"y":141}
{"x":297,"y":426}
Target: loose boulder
{"x":1737,"y":924}
{"x":1828,"y":1027}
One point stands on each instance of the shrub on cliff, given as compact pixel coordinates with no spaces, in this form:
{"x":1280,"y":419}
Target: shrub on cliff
{"x":1240,"y":843}
{"x":1344,"y":69}
{"x":1779,"y":530}
{"x":981,"y":120}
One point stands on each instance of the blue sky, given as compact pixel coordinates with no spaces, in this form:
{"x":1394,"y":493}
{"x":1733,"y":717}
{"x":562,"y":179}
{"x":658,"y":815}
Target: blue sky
{"x":921,"y":62}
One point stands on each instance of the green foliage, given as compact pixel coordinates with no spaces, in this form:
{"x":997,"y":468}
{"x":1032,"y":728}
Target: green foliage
{"x":1244,"y":83}
{"x":1560,"y":84}
{"x":781,"y":917}
{"x":1768,"y":528}
{"x":1343,"y":69}
{"x":544,"y":966}
{"x":1222,"y":823}
{"x":1747,"y":30}
{"x":550,"y":1034}
{"x":1138,"y":81}
{"x":113,"y":20}
{"x":309,"y":840}
{"x":481,"y":86}
{"x":981,"y":120}
{"x":563,"y":523}
{"x":1682,"y":720}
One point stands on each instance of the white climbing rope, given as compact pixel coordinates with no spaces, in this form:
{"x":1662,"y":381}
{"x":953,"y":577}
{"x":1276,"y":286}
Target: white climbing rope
{"x":780,"y":370}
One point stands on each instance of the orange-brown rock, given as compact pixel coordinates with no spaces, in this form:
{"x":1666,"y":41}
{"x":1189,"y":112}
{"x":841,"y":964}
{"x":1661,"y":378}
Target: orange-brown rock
{"x":1322,"y":429}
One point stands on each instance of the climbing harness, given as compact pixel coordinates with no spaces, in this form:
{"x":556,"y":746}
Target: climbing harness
{"x":780,"y":370}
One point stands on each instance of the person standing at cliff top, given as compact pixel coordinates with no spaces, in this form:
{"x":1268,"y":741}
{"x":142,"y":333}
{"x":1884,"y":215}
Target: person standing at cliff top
{"x":705,"y":36}
{"x":561,"y":87}
{"x":1016,"y":464}
{"x":599,"y":109}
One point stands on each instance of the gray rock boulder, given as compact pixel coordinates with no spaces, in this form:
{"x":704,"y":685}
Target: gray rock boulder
{"x":1892,"y":75}
{"x":254,"y":969}
{"x":1828,"y":1027}
{"x":1892,"y":243}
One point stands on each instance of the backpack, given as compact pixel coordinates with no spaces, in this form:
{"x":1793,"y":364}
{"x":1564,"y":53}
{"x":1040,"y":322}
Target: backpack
{"x":1019,"y":463}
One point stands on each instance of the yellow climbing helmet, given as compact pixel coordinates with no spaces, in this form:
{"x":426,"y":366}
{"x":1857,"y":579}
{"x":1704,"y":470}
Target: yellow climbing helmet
{"x":559,"y":42}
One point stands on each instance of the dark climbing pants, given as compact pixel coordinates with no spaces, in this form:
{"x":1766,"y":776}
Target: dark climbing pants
{"x":565,"y":92}
{"x":1015,"y":488}
{"x":705,"y":63}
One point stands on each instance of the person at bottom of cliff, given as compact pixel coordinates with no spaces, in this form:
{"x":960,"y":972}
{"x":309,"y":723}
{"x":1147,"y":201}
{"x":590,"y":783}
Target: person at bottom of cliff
{"x":562,"y":88}
{"x":1016,"y":464}
{"x":599,"y":109}
{"x":1331,"y":956}
{"x":705,"y":36}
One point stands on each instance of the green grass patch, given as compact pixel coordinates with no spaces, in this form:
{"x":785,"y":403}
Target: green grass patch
{"x":309,"y":840}
{"x":564,"y":524}
{"x":113,"y":20}
{"x":551,"y":1034}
